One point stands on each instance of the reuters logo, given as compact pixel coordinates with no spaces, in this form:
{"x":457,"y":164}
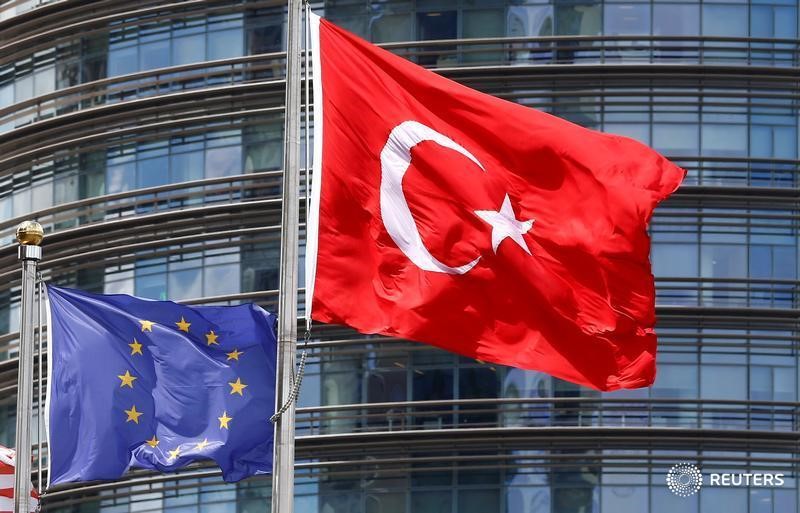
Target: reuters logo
{"x":684,"y":479}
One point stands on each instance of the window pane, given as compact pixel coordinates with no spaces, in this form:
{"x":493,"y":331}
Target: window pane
{"x":221,"y":280}
{"x":725,"y":20}
{"x":431,"y":502}
{"x":188,"y":49}
{"x":729,"y":500}
{"x":483,"y":23}
{"x":223,"y":161}
{"x":578,"y":20}
{"x":675,"y":381}
{"x":783,"y":384}
{"x":785,"y":142}
{"x":638,"y":131}
{"x":723,"y":261}
{"x":186,"y":284}
{"x":664,"y":501}
{"x":784,"y":262}
{"x":186,"y":166}
{"x":676,"y":20}
{"x":624,"y":498}
{"x":530,"y":20}
{"x":674,"y":260}
{"x":265,"y":39}
{"x":65,"y":189}
{"x":676,"y":140}
{"x":122,"y":61}
{"x":391,"y":27}
{"x":760,"y":261}
{"x":723,"y":382}
{"x":152,"y":172}
{"x":154,"y":55}
{"x":152,"y":286}
{"x":23,"y":89}
{"x":478,"y":501}
{"x":724,"y":140}
{"x":41,"y":195}
{"x":225,"y":44}
{"x":6,"y":95}
{"x":760,"y":141}
{"x":785,"y":22}
{"x":437,"y":25}
{"x":45,"y":81}
{"x":120,"y":178}
{"x":624,"y":19}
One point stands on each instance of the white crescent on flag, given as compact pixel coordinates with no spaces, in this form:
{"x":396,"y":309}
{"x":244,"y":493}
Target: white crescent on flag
{"x":395,"y":160}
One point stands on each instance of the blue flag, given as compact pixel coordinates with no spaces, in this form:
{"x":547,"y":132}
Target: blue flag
{"x":157,"y":385}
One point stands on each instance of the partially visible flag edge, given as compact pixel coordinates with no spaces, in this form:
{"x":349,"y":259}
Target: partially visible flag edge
{"x":312,"y":224}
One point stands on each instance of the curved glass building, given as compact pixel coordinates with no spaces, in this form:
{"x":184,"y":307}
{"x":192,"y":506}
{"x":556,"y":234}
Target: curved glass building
{"x":147,"y":138}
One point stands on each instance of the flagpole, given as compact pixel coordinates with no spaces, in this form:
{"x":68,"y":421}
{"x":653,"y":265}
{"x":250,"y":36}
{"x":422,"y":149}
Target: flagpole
{"x":283,"y":464}
{"x":29,"y":236}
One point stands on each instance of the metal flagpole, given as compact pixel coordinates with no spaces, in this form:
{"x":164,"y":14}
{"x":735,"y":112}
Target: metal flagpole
{"x":283,"y":464}
{"x":29,"y":236}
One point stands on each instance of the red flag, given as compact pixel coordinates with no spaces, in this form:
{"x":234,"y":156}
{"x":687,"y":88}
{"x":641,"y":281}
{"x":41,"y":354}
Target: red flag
{"x":451,"y":217}
{"x":7,"y":464}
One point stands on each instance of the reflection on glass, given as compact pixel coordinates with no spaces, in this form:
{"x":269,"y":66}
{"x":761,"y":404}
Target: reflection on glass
{"x":121,"y":178}
{"x":122,"y":61}
{"x":769,"y":21}
{"x":724,"y":140}
{"x":478,"y":501}
{"x":225,"y":44}
{"x":185,"y":284}
{"x":152,"y":172}
{"x":578,"y":20}
{"x":436,"y":25}
{"x":187,"y":166}
{"x":626,"y":19}
{"x":154,"y":55}
{"x":151,"y":286}
{"x":676,"y":20}
{"x":188,"y":49}
{"x":431,"y":501}
{"x":725,"y":20}
{"x":386,"y":27}
{"x":478,"y":24}
{"x":523,"y":20}
{"x":723,"y":260}
{"x":430,"y":385}
{"x":226,"y":161}
{"x":6,"y":95}
{"x":221,"y":280}
{"x":676,"y":140}
{"x":675,"y":381}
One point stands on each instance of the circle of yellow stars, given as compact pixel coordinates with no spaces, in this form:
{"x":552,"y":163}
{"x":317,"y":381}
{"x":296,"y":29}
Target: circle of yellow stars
{"x":127,"y":380}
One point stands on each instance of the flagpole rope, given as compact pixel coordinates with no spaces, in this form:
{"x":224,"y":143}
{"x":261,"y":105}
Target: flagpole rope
{"x":296,"y":380}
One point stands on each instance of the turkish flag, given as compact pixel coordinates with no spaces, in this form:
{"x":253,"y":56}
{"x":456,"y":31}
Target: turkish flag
{"x":447,"y":216}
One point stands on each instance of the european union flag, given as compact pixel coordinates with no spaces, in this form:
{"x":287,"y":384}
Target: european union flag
{"x":157,"y":385}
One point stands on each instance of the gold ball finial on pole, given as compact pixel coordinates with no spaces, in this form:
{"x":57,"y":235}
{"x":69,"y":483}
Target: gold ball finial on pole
{"x":30,"y":233}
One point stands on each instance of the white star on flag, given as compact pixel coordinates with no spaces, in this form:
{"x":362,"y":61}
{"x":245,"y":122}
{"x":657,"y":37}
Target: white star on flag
{"x":506,"y":225}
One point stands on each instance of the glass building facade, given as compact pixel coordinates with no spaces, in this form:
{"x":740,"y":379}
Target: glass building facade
{"x":147,"y":138}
